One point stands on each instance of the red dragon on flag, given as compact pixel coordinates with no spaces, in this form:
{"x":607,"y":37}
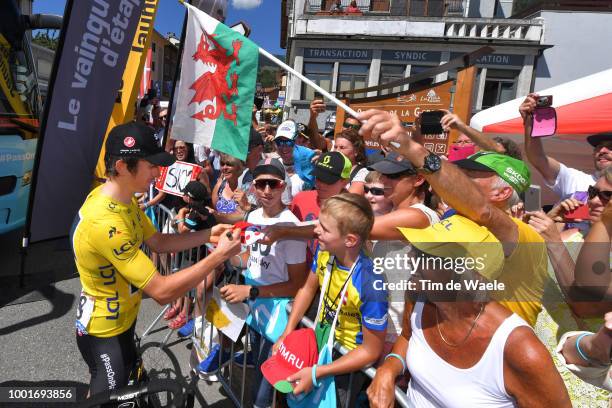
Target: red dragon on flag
{"x":213,"y":84}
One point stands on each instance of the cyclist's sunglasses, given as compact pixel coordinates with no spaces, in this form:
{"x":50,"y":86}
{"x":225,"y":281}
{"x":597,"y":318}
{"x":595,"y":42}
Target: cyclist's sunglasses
{"x":284,"y":143}
{"x":377,"y":191}
{"x":351,"y":126}
{"x":262,"y":183}
{"x":604,"y":195}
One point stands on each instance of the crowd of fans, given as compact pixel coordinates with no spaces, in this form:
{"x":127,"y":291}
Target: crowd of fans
{"x":333,"y":216}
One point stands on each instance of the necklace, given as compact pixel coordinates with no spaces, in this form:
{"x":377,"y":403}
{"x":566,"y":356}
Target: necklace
{"x":482,"y":306}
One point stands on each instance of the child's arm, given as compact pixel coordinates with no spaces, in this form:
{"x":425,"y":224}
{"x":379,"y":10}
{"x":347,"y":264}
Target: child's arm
{"x":275,"y":233}
{"x":237,"y":293}
{"x":363,"y":355}
{"x":303,"y":299}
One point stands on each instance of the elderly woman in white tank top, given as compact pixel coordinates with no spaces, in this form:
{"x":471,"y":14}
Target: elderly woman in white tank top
{"x":460,"y":349}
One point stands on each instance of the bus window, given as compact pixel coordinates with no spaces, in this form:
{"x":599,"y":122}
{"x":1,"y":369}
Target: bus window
{"x":20,"y":108}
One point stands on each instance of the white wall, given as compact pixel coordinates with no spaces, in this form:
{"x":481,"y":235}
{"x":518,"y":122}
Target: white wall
{"x":582,"y":46}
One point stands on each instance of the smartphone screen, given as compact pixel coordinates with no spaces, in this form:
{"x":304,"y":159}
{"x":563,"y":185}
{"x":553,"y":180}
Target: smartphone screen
{"x":430,"y":122}
{"x":544,"y":122}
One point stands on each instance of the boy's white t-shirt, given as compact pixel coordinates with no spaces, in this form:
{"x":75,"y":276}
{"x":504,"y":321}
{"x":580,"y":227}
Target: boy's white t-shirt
{"x":267,"y":264}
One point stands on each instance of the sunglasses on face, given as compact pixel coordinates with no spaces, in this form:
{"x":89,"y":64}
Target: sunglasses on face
{"x":284,"y":143}
{"x":603,"y":195}
{"x":377,"y":191}
{"x":261,"y":184}
{"x":226,"y":163}
{"x":351,"y":126}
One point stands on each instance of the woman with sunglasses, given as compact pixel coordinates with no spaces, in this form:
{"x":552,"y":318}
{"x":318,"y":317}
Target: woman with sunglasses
{"x":229,"y":202}
{"x":350,"y":144}
{"x":562,"y":311}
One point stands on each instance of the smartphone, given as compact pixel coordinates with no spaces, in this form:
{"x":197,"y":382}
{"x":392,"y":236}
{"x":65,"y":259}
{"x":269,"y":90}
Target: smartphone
{"x":544,"y":122}
{"x":430,"y":122}
{"x":544,"y":101}
{"x":533,"y":197}
{"x":580,"y":213}
{"x":318,"y":95}
{"x":460,"y":152}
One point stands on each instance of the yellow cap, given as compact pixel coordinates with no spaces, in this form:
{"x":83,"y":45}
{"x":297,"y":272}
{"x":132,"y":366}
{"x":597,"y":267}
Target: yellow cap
{"x":460,"y":237}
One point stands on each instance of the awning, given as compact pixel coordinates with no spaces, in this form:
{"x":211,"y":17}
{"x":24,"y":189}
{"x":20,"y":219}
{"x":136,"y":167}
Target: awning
{"x":584,"y":106}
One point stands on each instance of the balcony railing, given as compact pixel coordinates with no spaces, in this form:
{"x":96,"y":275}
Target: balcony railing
{"x":415,"y":8}
{"x":494,"y":29}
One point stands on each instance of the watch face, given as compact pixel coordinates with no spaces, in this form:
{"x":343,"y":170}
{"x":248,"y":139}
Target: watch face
{"x":433,"y":162}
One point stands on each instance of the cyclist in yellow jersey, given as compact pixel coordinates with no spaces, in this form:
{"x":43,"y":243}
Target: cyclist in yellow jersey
{"x":106,"y":238}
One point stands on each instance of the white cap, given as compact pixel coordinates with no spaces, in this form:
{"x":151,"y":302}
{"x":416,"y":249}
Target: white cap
{"x":287,"y":129}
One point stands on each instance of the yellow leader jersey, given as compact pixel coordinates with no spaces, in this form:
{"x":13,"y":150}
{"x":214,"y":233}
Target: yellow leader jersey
{"x":106,"y":237}
{"x":525,"y":274}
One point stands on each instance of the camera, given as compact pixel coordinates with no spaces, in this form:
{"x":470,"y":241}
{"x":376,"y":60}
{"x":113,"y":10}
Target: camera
{"x":544,"y":101}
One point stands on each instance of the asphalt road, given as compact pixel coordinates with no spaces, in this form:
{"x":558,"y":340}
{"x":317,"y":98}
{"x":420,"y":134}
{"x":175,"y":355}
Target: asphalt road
{"x":38,"y":347}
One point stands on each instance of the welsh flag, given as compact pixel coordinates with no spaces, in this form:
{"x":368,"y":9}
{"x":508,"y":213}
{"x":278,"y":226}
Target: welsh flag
{"x":216,"y":88}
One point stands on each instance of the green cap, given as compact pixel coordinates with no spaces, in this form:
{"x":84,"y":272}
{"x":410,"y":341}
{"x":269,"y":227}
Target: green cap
{"x":513,"y":171}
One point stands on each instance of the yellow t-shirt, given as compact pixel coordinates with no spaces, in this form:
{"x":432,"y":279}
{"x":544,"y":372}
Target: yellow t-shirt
{"x":524,"y":275}
{"x":106,"y":237}
{"x":362,"y":306}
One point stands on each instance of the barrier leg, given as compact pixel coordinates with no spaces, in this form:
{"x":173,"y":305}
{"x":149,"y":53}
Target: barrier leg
{"x":157,"y":319}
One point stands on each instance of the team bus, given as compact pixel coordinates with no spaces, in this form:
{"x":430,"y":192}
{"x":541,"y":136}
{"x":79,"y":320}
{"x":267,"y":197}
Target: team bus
{"x":20,"y":110}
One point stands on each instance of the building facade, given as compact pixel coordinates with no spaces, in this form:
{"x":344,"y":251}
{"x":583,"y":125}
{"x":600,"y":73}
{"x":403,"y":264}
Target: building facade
{"x":576,"y":52}
{"x":393,"y":39}
{"x":164,"y":60}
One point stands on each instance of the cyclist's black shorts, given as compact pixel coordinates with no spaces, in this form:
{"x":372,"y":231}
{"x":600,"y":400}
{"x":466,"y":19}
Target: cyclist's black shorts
{"x":110,"y":360}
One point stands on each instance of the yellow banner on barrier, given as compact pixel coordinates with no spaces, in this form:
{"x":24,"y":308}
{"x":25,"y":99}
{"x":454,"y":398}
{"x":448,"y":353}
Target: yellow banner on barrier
{"x":123,"y":111}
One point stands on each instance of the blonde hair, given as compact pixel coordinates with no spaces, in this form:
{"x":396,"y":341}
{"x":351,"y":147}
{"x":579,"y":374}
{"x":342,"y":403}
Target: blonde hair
{"x":352,"y":212}
{"x":373,"y":177}
{"x":231,"y":159}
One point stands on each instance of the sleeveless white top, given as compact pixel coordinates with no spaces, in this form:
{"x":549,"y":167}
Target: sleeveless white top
{"x":429,"y":213}
{"x":436,"y":383}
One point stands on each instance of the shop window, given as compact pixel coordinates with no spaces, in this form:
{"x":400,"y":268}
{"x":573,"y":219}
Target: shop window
{"x":500,"y":87}
{"x":391,"y":73}
{"x":353,"y":76}
{"x":321,"y":74}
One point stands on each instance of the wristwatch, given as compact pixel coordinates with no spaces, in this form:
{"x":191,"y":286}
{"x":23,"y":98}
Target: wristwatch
{"x":431,"y":164}
{"x":253,"y":292}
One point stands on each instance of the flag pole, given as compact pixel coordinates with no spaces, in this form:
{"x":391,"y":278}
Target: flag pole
{"x":308,"y":82}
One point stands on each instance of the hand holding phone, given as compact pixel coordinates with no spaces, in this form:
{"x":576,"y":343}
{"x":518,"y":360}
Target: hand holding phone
{"x":544,"y":117}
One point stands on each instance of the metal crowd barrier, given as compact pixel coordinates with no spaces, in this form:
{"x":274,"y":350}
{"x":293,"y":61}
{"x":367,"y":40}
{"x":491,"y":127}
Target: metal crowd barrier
{"x":170,"y":263}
